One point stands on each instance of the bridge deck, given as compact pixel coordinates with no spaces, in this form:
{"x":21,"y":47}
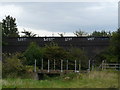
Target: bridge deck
{"x":59,"y":71}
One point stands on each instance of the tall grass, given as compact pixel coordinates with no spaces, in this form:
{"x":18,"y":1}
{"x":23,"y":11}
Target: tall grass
{"x":0,"y":74}
{"x":95,"y":79}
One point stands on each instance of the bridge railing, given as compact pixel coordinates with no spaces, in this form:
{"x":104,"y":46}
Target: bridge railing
{"x":77,"y":66}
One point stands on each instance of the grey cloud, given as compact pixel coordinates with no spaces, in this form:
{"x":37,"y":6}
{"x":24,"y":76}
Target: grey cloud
{"x":68,"y":17}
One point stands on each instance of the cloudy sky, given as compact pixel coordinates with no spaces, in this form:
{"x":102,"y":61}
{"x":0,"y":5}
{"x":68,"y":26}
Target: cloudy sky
{"x":51,"y":18}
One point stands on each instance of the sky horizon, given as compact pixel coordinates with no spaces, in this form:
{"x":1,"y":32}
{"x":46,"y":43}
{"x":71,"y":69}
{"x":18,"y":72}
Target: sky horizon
{"x":51,"y":18}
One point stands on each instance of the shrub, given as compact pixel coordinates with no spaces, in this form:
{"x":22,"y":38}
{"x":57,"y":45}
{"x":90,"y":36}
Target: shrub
{"x":33,"y":52}
{"x":79,"y":55}
{"x":12,"y":66}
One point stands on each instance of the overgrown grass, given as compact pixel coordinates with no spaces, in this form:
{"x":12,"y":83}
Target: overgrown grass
{"x":0,"y":74}
{"x":95,"y":79}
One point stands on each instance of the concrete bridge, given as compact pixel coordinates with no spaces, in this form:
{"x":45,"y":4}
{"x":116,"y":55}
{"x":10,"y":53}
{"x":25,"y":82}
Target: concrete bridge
{"x":91,"y":45}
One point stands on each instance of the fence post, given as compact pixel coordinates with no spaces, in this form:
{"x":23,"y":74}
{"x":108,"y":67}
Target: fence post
{"x":48,"y":65}
{"x":61,"y":65}
{"x":54,"y":64}
{"x":35,"y":66}
{"x":102,"y":64}
{"x":79,"y":65}
{"x":75,"y":65}
{"x":42,"y":64}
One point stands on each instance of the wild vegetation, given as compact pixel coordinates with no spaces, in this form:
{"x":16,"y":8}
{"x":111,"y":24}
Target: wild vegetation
{"x":95,"y":79}
{"x":18,"y":70}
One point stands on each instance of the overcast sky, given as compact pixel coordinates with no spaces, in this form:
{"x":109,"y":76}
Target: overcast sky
{"x":51,"y":18}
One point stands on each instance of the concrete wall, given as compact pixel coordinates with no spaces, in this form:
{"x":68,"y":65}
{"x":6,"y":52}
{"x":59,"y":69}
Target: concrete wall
{"x":92,"y":45}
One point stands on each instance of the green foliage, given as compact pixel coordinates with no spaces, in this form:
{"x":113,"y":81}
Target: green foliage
{"x":53,"y":51}
{"x":69,"y":76}
{"x":79,"y":55}
{"x":115,"y":44}
{"x":0,"y":69}
{"x":102,"y":33}
{"x":33,"y":52}
{"x":106,"y":55}
{"x":12,"y":66}
{"x":28,"y":34}
{"x":9,"y":27}
{"x":96,"y":79}
{"x":112,"y":53}
{"x":79,"y":33}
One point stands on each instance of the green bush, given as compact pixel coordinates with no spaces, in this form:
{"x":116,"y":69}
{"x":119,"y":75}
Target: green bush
{"x":34,"y":52}
{"x":54,"y":52}
{"x":78,"y":55}
{"x":12,"y":66}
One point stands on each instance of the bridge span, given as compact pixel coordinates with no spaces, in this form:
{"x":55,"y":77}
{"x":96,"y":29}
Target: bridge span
{"x":91,"y":45}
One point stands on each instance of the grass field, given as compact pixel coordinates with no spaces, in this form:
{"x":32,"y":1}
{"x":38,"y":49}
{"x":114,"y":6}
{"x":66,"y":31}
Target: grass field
{"x":95,"y":79}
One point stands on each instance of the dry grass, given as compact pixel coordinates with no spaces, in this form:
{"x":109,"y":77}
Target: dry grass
{"x":94,"y":79}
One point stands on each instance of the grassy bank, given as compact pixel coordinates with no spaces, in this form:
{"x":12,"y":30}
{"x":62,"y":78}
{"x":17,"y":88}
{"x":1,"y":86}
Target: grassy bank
{"x":96,"y":79}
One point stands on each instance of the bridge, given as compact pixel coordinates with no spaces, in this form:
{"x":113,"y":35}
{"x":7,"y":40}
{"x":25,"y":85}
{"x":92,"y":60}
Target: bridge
{"x":64,"y":68}
{"x":91,"y":45}
{"x":53,"y":69}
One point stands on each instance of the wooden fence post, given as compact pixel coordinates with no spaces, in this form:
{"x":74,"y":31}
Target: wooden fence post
{"x":79,"y":65}
{"x":102,"y":64}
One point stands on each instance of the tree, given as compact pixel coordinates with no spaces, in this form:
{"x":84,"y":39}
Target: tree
{"x":12,"y":66}
{"x":33,"y":52}
{"x":102,"y":33}
{"x":112,"y":53}
{"x":79,"y":55}
{"x":28,"y":34}
{"x":61,"y":34}
{"x":115,"y":44}
{"x":9,"y":27}
{"x":80,"y":33}
{"x":54,"y":52}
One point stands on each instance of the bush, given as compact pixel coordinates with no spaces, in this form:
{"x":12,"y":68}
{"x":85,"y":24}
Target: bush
{"x":12,"y":66}
{"x":34,"y":52}
{"x":79,"y":55}
{"x":54,"y":52}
